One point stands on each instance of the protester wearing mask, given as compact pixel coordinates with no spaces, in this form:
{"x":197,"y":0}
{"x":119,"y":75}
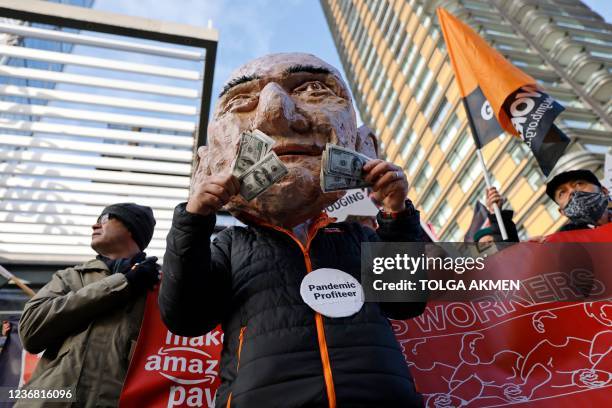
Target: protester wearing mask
{"x":87,"y":318}
{"x":581,"y":198}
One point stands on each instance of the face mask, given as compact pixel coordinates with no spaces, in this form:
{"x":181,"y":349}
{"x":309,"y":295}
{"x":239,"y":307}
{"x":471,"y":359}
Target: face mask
{"x":586,"y":208}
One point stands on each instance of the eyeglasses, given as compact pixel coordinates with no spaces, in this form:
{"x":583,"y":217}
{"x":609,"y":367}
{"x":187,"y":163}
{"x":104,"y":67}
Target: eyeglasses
{"x":104,"y":218}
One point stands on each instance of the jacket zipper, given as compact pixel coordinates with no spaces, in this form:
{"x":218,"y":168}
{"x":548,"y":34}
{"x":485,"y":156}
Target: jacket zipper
{"x":240,"y":341}
{"x":327,"y":373}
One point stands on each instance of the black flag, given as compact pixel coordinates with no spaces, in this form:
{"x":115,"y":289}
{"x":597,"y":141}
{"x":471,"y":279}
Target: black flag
{"x":532,"y":113}
{"x":480,"y":218}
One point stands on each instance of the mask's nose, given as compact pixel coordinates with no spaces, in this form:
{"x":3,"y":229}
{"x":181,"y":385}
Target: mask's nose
{"x":277,"y":113}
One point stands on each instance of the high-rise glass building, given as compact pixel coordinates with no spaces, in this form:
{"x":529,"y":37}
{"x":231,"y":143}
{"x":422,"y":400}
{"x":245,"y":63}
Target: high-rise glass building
{"x":396,"y":62}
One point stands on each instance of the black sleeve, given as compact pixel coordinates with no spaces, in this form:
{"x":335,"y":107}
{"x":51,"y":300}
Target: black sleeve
{"x":406,"y":227}
{"x":508,"y":223}
{"x":196,"y":276}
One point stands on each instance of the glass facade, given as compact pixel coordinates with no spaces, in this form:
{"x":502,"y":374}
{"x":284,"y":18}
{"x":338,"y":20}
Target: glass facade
{"x":39,"y":44}
{"x":91,"y":116}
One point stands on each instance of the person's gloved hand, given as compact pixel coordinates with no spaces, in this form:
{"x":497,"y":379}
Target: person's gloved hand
{"x":143,"y":275}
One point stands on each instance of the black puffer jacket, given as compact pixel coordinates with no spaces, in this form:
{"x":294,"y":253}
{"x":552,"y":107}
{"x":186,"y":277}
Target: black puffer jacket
{"x":277,"y":351}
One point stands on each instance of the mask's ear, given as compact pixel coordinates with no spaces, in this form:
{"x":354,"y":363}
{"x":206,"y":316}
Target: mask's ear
{"x":200,"y":167}
{"x":366,"y":143}
{"x":607,"y":193}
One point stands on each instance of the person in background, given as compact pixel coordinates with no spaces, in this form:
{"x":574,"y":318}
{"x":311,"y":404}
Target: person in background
{"x":581,"y":198}
{"x":486,"y":236}
{"x":6,"y":329}
{"x":87,"y":318}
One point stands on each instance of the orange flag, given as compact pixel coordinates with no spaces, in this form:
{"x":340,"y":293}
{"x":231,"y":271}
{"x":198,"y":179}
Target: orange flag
{"x":498,"y":96}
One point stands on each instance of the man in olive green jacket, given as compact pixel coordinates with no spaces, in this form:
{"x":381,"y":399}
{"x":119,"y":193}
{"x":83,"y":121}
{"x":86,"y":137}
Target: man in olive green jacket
{"x":87,"y":318}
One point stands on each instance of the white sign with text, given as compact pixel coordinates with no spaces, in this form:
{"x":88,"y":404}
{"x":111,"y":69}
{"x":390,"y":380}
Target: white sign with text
{"x":332,"y":292}
{"x":355,"y":202}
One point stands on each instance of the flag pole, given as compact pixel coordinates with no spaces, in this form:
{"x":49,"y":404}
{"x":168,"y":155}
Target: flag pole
{"x":485,"y":171}
{"x":498,"y":215}
{"x":9,"y":276}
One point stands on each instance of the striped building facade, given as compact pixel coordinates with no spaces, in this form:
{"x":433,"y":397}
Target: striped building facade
{"x":396,"y":62}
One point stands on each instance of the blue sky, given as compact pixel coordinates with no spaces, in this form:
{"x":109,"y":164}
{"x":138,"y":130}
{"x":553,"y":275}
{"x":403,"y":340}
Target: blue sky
{"x":247,"y":29}
{"x":251,"y":28}
{"x":603,"y":7}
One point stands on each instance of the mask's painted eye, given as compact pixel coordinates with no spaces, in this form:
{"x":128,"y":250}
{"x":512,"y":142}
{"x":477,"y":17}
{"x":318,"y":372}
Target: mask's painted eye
{"x":242,"y":103}
{"x":314,"y":88}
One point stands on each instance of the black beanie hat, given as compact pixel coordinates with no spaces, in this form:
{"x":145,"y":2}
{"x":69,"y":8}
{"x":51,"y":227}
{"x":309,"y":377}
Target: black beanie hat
{"x":572,"y":175}
{"x":138,"y":219}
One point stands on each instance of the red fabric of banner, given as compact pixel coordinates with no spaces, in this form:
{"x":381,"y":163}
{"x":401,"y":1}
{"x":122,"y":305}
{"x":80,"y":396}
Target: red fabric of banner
{"x":167,"y":370}
{"x":522,"y":350}
{"x":599,"y":234}
{"x":472,"y":354}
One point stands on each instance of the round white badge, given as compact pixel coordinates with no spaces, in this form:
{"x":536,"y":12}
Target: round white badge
{"x":332,"y":293}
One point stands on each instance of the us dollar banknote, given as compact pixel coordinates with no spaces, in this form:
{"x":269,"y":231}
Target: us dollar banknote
{"x":341,"y":169}
{"x":254,"y":145}
{"x":344,"y":162}
{"x":263,"y":174}
{"x":337,"y":183}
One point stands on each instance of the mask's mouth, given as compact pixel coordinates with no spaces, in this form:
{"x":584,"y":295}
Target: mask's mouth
{"x":295,"y":149}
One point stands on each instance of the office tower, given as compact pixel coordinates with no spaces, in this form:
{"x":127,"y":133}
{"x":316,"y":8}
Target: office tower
{"x":396,"y":62}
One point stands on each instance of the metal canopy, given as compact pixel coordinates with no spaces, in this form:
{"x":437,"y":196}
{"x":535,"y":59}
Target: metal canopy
{"x":112,"y":23}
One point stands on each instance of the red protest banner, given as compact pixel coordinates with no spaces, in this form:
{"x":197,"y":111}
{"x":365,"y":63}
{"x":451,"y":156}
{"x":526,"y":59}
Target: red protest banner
{"x":556,"y":354}
{"x":599,"y":234}
{"x":167,"y":370}
{"x":522,"y":350}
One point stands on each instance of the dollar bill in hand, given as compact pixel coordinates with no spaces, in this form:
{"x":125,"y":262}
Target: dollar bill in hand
{"x":344,"y":162}
{"x":345,"y":172}
{"x":330,"y":182}
{"x":265,"y":173}
{"x":254,"y":145}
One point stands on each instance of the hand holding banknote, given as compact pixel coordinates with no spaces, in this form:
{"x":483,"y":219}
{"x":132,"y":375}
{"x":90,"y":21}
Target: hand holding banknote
{"x":341,"y":169}
{"x":389,"y":184}
{"x":211,"y":192}
{"x":345,"y":169}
